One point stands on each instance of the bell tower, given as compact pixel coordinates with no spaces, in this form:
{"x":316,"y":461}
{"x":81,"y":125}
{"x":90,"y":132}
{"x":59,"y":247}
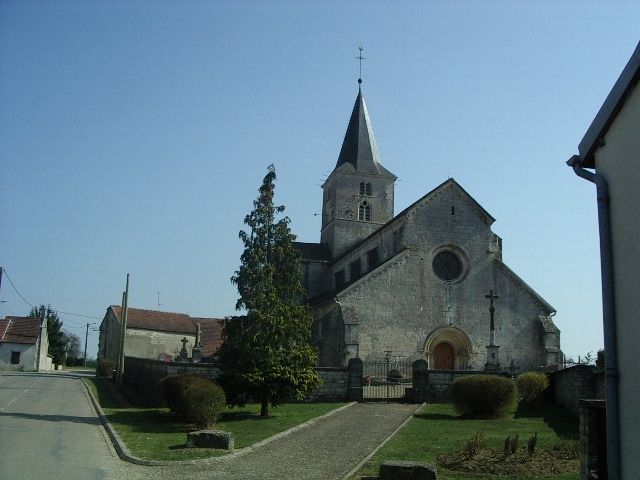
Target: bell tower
{"x":358,"y":195}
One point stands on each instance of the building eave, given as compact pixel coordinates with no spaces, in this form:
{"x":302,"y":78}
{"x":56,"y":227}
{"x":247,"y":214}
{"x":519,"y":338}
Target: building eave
{"x":614,"y":102}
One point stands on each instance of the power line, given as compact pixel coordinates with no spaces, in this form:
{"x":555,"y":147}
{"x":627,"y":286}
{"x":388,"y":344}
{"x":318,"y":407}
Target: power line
{"x":14,"y":287}
{"x":78,"y":315}
{"x":4,"y":270}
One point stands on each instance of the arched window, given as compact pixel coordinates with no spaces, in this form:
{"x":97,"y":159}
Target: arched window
{"x":365,"y":188}
{"x":364,"y":212}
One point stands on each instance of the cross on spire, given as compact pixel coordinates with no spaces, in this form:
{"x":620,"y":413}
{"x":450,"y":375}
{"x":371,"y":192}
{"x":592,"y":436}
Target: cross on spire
{"x":360,"y":57}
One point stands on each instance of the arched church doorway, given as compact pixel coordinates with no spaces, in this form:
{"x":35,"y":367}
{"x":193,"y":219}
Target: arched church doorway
{"x":448,"y":348}
{"x":443,"y":357}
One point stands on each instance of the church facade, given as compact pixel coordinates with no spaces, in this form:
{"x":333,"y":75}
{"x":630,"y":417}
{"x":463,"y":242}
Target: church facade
{"x":414,"y":285}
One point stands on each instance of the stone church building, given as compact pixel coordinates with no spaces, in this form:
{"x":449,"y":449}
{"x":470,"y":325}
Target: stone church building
{"x":414,"y":285}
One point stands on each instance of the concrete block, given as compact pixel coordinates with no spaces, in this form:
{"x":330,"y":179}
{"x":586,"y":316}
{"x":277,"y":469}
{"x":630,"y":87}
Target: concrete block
{"x":210,"y":439}
{"x":404,"y":470}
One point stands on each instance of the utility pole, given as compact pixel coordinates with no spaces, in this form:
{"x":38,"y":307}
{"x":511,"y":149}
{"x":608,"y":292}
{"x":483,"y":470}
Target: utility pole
{"x":86,"y":337}
{"x":123,"y":332}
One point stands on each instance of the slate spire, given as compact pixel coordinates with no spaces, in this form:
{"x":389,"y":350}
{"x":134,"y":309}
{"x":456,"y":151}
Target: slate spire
{"x":359,"y":149}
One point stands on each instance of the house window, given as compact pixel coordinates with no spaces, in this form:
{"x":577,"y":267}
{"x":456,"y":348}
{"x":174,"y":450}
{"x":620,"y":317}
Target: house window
{"x":339,"y":279}
{"x":364,"y":212}
{"x":15,"y":358}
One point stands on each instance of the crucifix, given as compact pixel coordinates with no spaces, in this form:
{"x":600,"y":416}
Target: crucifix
{"x":492,"y":349}
{"x":492,"y":309}
{"x":184,"y":342}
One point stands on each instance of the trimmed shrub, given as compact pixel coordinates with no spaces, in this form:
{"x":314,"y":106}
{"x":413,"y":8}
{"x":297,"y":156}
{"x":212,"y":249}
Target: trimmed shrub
{"x":530,"y":386}
{"x":483,"y":395}
{"x":105,"y":368}
{"x":205,"y":403}
{"x":173,"y":389}
{"x":199,"y":400}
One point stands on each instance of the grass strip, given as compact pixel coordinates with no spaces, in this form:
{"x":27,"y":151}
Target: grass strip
{"x":158,"y":434}
{"x":437,"y":429}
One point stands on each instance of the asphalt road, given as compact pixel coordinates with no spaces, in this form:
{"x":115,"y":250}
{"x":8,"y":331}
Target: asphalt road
{"x":48,"y":429}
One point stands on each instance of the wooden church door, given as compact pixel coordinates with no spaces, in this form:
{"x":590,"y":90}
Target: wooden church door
{"x":443,"y":356}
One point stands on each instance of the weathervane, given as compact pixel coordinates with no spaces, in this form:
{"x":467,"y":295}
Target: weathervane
{"x":360,"y":57}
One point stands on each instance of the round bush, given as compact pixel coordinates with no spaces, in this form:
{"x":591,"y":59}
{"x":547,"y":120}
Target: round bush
{"x":483,"y":395}
{"x":205,"y":402}
{"x":530,"y":386}
{"x":196,"y":398}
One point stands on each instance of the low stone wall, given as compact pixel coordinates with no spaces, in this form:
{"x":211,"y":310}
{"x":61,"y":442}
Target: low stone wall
{"x":575,"y":383}
{"x":439,"y":383}
{"x":335,"y":383}
{"x":143,"y":376}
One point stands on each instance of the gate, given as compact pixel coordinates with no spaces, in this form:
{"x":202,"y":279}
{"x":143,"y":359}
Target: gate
{"x":386,"y":380}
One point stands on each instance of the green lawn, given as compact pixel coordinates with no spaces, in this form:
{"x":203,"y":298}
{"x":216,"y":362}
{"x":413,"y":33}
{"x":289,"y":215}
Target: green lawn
{"x":157,"y":434}
{"x":437,"y":429}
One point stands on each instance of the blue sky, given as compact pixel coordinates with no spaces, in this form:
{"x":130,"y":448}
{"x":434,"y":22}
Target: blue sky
{"x":134,"y":137}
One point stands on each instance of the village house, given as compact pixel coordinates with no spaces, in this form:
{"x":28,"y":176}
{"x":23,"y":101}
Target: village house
{"x":611,"y":146}
{"x":24,"y":344}
{"x":158,"y":335}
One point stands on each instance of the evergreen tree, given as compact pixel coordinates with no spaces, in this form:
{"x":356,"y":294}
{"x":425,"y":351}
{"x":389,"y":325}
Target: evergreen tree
{"x":57,"y":338}
{"x":266,"y":353}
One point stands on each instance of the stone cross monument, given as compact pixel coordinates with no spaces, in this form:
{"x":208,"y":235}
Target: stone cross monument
{"x":184,"y":354}
{"x":493,"y":364}
{"x":196,"y":351}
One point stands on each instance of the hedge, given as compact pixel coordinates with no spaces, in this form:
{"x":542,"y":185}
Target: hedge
{"x":483,"y":395}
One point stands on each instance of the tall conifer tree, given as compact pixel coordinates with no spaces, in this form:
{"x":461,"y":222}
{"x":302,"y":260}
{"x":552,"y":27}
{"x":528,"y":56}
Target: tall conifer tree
{"x":266,"y":353}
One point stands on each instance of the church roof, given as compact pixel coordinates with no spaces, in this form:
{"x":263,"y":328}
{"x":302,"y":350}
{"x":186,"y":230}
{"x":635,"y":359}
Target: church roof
{"x":20,"y":329}
{"x":359,"y":151}
{"x":318,"y":252}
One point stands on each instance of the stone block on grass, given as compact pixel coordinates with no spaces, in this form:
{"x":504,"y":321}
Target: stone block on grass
{"x":404,"y":470}
{"x":210,"y":439}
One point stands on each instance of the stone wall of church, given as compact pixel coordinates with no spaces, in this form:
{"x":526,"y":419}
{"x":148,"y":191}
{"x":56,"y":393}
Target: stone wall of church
{"x":402,"y":303}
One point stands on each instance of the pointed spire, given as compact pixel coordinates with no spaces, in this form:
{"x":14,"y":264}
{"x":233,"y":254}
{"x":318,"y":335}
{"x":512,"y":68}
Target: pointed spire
{"x":359,"y":147}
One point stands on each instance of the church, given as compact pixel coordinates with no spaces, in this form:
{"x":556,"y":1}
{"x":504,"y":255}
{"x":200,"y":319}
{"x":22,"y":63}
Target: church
{"x":419,"y":284}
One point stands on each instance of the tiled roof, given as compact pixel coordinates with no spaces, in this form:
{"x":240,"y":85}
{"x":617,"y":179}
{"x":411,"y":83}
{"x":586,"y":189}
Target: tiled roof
{"x":4,"y":324}
{"x":156,"y":320}
{"x":20,"y":329}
